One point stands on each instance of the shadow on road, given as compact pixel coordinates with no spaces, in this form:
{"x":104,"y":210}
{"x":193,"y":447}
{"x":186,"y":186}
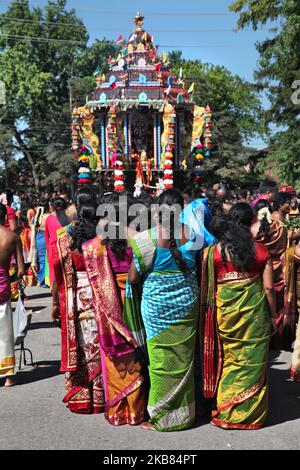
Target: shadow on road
{"x":46,"y":295}
{"x":284,"y":396}
{"x":45,"y":370}
{"x":42,"y":324}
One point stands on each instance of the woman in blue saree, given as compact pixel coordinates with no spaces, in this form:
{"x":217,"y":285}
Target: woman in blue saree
{"x":169,"y":310}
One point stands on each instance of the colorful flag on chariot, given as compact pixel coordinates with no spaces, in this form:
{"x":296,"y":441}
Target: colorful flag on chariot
{"x":124,"y":51}
{"x":192,"y":88}
{"x":157,"y":67}
{"x":164,"y":57}
{"x":167,"y":91}
{"x":120,"y":39}
{"x":97,"y":71}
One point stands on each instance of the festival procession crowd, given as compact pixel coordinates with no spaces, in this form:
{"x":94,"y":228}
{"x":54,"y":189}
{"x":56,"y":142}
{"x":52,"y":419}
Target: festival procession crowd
{"x":156,"y":331}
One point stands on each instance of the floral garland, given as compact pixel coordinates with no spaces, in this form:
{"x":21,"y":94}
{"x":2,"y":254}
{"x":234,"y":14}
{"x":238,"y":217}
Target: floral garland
{"x":168,"y":170}
{"x":198,"y":162}
{"x":84,"y":172}
{"x":119,"y":182}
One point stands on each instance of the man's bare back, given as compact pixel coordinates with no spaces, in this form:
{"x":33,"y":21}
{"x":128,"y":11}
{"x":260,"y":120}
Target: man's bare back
{"x":10,"y":245}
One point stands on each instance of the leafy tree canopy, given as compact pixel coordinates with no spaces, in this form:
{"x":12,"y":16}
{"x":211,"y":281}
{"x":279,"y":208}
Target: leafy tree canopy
{"x":278,"y":74}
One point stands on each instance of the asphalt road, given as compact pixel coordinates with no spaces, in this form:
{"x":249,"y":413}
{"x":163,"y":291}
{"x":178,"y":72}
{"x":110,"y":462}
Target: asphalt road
{"x":32,"y":415}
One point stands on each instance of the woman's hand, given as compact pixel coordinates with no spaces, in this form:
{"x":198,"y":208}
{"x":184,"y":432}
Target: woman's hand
{"x":55,"y":314}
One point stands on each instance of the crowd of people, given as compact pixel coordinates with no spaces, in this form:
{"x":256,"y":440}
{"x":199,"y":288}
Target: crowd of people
{"x":157,"y":329}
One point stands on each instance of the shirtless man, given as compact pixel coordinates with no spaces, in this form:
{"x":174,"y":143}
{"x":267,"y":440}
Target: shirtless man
{"x":10,"y":245}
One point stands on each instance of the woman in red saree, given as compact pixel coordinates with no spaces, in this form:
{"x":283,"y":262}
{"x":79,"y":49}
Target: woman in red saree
{"x":80,"y":352}
{"x":107,"y":264}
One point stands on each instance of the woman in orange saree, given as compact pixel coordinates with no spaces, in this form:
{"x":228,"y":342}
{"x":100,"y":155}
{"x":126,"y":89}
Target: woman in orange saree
{"x":107,"y":264}
{"x":235,"y":322}
{"x":80,"y":352}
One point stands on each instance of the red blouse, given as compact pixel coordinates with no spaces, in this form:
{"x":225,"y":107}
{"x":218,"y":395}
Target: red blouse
{"x":230,"y":272}
{"x":78,"y":261}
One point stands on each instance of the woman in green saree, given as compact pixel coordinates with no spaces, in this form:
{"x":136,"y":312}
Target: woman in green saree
{"x":169,"y":310}
{"x":237,"y":298}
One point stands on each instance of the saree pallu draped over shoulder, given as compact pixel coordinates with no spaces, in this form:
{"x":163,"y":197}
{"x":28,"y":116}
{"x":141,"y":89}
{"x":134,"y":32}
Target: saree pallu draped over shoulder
{"x":243,"y":327}
{"x":80,"y":356}
{"x":277,"y":244}
{"x":124,"y":385}
{"x":170,"y":315}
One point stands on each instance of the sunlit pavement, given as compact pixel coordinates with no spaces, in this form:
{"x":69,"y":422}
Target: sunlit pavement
{"x":32,"y":415}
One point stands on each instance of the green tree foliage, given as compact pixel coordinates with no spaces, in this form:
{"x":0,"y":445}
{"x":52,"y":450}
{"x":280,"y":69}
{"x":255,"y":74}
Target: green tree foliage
{"x":236,"y":116}
{"x":278,"y":72}
{"x":46,"y":65}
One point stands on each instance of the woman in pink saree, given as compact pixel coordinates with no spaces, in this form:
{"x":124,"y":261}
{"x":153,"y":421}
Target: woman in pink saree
{"x":54,"y":222}
{"x":107,"y":264}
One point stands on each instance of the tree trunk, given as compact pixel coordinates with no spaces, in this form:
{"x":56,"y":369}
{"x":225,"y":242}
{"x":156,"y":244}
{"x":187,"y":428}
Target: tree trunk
{"x":28,"y":155}
{"x":34,"y":173}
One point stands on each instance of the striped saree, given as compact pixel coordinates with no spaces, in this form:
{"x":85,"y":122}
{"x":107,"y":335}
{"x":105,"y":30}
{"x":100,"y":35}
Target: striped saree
{"x":235,"y":325}
{"x":170,"y":311}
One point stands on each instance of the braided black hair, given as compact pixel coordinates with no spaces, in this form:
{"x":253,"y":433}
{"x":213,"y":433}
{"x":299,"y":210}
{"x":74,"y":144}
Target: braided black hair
{"x":119,"y":244}
{"x":233,"y":233}
{"x":84,"y":228}
{"x":172,"y":197}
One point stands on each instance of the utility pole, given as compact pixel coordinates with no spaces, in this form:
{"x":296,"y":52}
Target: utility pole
{"x":71,"y":91}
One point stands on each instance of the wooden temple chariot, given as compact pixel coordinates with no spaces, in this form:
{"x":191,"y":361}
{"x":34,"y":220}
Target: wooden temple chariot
{"x":141,"y":111}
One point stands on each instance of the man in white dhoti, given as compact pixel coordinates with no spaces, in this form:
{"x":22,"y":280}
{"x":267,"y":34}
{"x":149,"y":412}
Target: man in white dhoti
{"x":10,"y":245}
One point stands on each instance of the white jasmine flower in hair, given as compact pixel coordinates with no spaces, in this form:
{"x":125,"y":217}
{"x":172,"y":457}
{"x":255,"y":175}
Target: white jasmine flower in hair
{"x":264,"y":212}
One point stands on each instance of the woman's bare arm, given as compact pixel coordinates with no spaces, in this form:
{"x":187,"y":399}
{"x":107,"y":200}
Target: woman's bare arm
{"x":269,"y":288}
{"x":19,"y":257}
{"x":133,"y":274}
